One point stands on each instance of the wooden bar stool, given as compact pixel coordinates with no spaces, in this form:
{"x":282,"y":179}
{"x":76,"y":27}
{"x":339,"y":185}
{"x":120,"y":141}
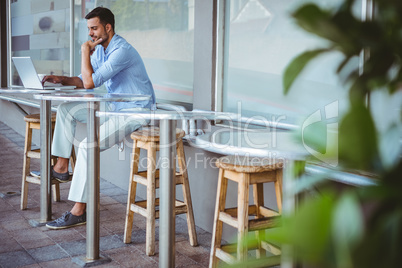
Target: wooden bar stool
{"x":33,"y":122}
{"x":245,"y":171}
{"x":148,"y":139}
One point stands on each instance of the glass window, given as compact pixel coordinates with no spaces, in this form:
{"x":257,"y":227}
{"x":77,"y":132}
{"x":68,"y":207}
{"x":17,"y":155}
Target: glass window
{"x":41,"y":30}
{"x":263,"y":39}
{"x":161,"y":31}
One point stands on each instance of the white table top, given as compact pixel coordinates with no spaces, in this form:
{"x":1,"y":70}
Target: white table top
{"x":228,"y":141}
{"x":172,"y":115}
{"x":91,"y":97}
{"x":17,"y":90}
{"x":273,"y":144}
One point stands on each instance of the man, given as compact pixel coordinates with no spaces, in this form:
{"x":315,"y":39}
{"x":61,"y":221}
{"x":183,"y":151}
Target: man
{"x":105,"y":59}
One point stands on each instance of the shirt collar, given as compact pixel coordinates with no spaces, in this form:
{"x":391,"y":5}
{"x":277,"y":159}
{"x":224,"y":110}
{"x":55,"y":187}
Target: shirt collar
{"x":111,"y":44}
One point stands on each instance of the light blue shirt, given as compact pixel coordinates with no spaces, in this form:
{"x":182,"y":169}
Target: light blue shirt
{"x":122,"y":70}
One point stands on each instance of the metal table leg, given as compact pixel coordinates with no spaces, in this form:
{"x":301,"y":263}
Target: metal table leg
{"x":167,"y":194}
{"x":45,"y":142}
{"x":93,"y":183}
{"x":92,"y":257}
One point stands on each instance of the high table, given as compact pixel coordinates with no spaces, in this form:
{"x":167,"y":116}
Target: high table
{"x":284,"y":146}
{"x":93,"y":99}
{"x":45,"y":134}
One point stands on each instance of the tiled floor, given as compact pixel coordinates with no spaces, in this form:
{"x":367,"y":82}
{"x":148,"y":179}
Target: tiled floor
{"x":22,"y":245}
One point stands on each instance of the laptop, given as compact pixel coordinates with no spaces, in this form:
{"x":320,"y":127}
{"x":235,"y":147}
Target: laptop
{"x":29,"y":76}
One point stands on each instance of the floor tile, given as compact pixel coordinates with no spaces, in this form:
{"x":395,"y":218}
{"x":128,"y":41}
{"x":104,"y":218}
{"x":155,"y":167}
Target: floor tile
{"x":15,"y":259}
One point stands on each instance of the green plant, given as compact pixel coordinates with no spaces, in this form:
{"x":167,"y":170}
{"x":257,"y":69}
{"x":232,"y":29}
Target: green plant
{"x":356,"y":227}
{"x":372,"y":239}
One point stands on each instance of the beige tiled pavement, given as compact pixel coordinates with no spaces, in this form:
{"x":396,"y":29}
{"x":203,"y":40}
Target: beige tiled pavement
{"x":22,"y":245}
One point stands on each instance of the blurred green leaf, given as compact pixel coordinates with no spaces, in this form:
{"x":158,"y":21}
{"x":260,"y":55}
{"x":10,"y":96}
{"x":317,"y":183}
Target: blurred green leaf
{"x":350,"y":243}
{"x":347,"y":228}
{"x":357,"y":138}
{"x":256,"y":263}
{"x":316,"y":20}
{"x":297,"y":65}
{"x":309,"y":230}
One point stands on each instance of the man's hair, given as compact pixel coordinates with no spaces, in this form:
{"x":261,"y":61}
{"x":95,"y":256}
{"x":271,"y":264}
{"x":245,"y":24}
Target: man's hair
{"x":104,"y":14}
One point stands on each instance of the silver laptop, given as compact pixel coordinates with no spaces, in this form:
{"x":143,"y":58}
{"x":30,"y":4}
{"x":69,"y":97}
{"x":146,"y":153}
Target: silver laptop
{"x":29,"y":76}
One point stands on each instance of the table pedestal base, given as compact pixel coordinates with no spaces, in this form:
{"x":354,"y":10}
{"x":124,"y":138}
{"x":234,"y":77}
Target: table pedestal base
{"x":82,"y":261}
{"x":37,"y":223}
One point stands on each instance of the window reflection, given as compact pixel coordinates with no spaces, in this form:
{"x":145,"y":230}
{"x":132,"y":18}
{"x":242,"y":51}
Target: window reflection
{"x":40,"y":29}
{"x":263,"y":39}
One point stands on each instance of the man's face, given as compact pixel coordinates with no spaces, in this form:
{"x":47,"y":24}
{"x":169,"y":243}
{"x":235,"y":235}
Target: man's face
{"x":97,"y":30}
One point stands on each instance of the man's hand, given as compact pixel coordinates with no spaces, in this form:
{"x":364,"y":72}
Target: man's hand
{"x":52,"y":79}
{"x":64,"y":80}
{"x":89,"y":46}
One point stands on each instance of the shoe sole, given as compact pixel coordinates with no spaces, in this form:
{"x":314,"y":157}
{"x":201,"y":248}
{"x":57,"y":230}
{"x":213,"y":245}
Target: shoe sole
{"x":38,"y":176}
{"x":60,"y":180}
{"x":64,"y":227}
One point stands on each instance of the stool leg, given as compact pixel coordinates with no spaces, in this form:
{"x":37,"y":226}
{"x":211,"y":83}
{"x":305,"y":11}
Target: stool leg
{"x":217,"y":229}
{"x":186,"y":194}
{"x":151,"y":188}
{"x":131,"y":194}
{"x":242,"y":215}
{"x":278,"y":189}
{"x":26,"y":166}
{"x":258,"y":195}
{"x":56,"y":192}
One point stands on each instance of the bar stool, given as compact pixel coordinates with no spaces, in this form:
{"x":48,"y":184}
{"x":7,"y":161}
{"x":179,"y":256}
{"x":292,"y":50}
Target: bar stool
{"x":148,"y":139}
{"x":33,"y":122}
{"x":245,"y":171}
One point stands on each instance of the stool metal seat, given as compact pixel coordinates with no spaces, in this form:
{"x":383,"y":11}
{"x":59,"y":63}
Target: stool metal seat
{"x":33,"y":122}
{"x":148,"y":139}
{"x":245,"y":171}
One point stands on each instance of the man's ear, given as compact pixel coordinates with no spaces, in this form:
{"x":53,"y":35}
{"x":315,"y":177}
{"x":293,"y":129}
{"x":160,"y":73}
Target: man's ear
{"x":108,"y":27}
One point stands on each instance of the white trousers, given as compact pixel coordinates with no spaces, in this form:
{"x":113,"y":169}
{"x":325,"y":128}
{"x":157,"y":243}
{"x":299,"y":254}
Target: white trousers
{"x":111,"y":131}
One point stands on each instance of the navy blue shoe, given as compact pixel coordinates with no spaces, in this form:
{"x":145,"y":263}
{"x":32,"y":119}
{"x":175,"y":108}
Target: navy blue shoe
{"x":67,"y":220}
{"x":61,"y":177}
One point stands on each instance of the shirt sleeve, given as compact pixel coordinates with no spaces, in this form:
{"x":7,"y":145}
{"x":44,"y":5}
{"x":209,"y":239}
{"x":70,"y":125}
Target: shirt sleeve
{"x":117,"y":61}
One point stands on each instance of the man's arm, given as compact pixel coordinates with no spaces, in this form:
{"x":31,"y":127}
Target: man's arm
{"x":86,"y":67}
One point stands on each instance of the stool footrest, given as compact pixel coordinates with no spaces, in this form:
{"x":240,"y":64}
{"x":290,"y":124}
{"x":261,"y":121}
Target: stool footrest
{"x":229,"y":216}
{"x":232,"y":248}
{"x":225,"y":256}
{"x":140,"y":207}
{"x":271,"y":248}
{"x":34,"y":154}
{"x":252,"y":211}
{"x":267,"y":212}
{"x":262,"y":223}
{"x":32,"y":179}
{"x":141,"y":178}
{"x":36,"y":180}
{"x":228,"y":219}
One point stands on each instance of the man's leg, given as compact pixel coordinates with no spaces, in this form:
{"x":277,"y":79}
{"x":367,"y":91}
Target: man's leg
{"x":68,"y":114}
{"x":78,"y":209}
{"x":111,"y":132}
